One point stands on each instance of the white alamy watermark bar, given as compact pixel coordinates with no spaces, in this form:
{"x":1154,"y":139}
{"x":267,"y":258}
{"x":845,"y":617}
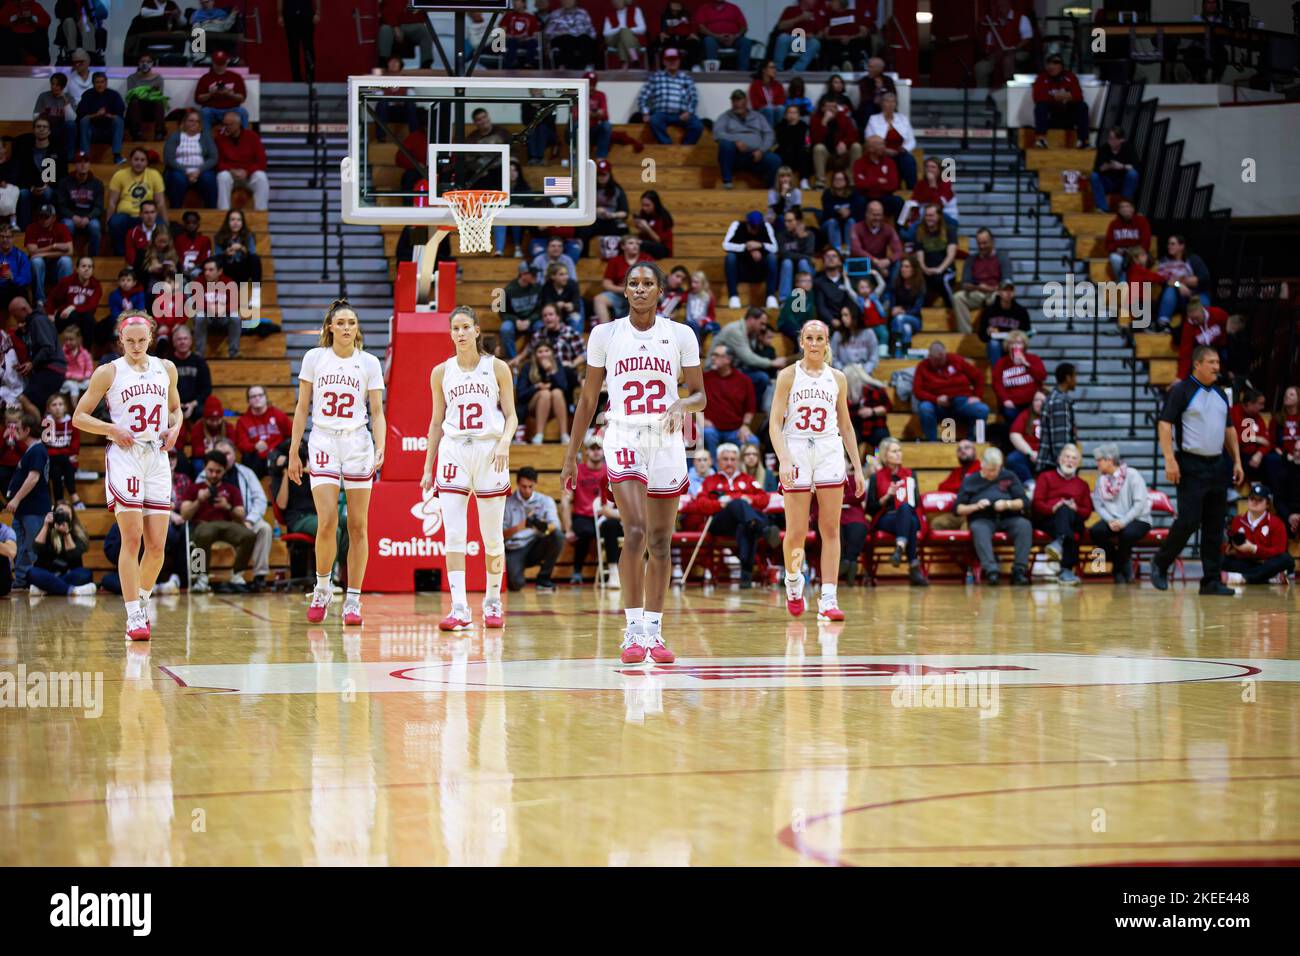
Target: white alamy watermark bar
{"x":39,"y":690}
{"x":1085,"y":299}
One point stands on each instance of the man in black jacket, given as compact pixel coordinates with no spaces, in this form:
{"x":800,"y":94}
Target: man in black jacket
{"x":1115,"y":169}
{"x":991,"y":500}
{"x":46,"y":367}
{"x":30,"y":152}
{"x":830,"y":291}
{"x":80,"y":201}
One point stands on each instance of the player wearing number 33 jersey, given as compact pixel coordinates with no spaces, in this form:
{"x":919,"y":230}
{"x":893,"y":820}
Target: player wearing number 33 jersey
{"x":139,"y":478}
{"x":641,"y":374}
{"x":340,"y":449}
{"x":812,"y":430}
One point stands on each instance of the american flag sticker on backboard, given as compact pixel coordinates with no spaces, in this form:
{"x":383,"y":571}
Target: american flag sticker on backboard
{"x":557,"y":186}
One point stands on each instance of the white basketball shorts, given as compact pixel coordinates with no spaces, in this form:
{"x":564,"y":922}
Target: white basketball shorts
{"x":465,"y":465}
{"x":818,"y":463}
{"x":647,"y":454}
{"x":341,"y":457}
{"x":138,"y":478}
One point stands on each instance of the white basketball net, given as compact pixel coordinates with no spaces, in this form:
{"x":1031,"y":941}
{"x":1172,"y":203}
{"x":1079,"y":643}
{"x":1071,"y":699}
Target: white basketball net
{"x":474,"y":210}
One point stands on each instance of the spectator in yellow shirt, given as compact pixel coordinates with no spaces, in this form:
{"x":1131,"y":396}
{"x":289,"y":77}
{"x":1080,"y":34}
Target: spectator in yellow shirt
{"x":129,"y":187}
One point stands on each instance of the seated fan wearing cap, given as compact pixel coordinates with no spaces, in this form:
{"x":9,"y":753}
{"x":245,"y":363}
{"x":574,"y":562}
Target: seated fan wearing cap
{"x":1256,"y":549}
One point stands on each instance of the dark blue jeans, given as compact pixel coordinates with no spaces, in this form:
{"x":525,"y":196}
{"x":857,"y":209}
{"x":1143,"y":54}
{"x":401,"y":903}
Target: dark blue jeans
{"x":601,"y":135}
{"x":26,"y":527}
{"x":59,"y":584}
{"x":901,"y":521}
{"x":733,"y":270}
{"x":961,"y":407}
{"x":178,"y":185}
{"x":739,"y":519}
{"x":659,"y":123}
{"x":732,"y":158}
{"x":1104,"y":184}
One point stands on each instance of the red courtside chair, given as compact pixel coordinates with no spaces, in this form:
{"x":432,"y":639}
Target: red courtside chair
{"x":1156,"y":537}
{"x":957,"y":541}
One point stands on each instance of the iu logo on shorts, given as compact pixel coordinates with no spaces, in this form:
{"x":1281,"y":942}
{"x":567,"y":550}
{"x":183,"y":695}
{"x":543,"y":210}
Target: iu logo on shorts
{"x":322,"y":459}
{"x":448,"y":472}
{"x":625,"y":457}
{"x":133,"y":486}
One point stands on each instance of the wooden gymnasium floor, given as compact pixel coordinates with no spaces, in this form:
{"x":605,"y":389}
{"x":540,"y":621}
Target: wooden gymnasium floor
{"x":1125,"y":726}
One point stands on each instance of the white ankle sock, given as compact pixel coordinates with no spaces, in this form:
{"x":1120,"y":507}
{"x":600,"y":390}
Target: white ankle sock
{"x":828,"y":590}
{"x":633,"y":615}
{"x":456,"y":580}
{"x":354,"y":594}
{"x":144,"y":595}
{"x":651,"y":620}
{"x":132,"y":607}
{"x":493,"y":587}
{"x":323,"y":583}
{"x":793,"y":583}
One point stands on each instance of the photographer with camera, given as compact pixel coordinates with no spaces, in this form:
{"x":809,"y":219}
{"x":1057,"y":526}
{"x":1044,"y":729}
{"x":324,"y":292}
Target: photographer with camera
{"x":59,"y":546}
{"x":532,"y":533}
{"x":216,"y":509}
{"x":1256,"y":549}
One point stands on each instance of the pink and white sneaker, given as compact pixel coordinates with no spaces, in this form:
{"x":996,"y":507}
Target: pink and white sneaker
{"x":659,"y":652}
{"x":635,"y":645}
{"x":493,"y":615}
{"x":352,"y":613}
{"x":320,"y":602}
{"x":828,"y":609}
{"x":794,"y":602}
{"x":459,"y":619}
{"x":137,"y":626}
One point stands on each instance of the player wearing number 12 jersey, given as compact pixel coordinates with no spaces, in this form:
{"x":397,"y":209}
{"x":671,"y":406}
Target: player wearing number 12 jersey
{"x":639,"y":358}
{"x":470,"y":428}
{"x":811,"y":432}
{"x":144,"y":409}
{"x":336,"y":384}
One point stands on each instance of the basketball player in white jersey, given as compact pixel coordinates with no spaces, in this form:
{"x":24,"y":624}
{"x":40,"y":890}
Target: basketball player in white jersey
{"x":639,"y":358}
{"x":336,"y":383}
{"x":470,"y":429}
{"x":145,"y":412}
{"x":811,"y":432}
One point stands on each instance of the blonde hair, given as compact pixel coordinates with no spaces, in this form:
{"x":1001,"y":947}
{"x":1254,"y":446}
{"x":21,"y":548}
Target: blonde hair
{"x":830,"y":357}
{"x":327,"y":333}
{"x":759,"y":474}
{"x":785,"y":171}
{"x":882,"y":449}
{"x":700,"y":276}
{"x":124,"y":318}
{"x":1017,"y":336}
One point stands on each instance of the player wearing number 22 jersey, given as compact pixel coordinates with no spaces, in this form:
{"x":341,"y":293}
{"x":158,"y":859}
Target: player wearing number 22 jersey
{"x":641,"y":374}
{"x":139,"y":478}
{"x":340,"y":449}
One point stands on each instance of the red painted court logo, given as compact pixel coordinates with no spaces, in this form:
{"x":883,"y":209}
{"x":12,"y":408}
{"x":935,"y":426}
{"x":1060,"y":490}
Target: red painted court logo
{"x":625,"y":457}
{"x":133,"y":486}
{"x":322,"y":459}
{"x":816,"y":669}
{"x":448,"y":472}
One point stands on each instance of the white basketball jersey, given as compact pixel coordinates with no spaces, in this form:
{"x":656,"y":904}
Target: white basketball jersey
{"x":137,"y":401}
{"x":340,"y":387}
{"x":642,"y":368}
{"x":812,"y":410}
{"x":473,"y":400}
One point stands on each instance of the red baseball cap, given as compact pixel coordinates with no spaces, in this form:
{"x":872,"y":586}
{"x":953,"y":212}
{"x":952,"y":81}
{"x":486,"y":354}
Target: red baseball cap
{"x":590,"y":77}
{"x":602,"y":165}
{"x":672,"y":54}
{"x":81,"y":158}
{"x":221,"y":56}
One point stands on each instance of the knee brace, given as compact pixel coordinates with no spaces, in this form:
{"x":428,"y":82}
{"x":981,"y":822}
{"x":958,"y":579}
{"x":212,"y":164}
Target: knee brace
{"x":454,"y":510}
{"x":491,"y":524}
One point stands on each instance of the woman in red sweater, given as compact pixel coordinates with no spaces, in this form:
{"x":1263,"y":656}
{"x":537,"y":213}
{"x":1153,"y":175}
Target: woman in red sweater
{"x":894,"y":503}
{"x":1017,"y":376}
{"x":766,"y":94}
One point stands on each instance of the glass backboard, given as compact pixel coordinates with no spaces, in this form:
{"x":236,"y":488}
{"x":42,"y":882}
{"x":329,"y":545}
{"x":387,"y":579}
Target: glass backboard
{"x":444,"y":133}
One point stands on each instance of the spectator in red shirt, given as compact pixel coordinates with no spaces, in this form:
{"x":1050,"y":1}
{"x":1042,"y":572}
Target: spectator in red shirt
{"x":767,"y":95}
{"x":211,"y":428}
{"x":873,"y":408}
{"x":1259,"y":459}
{"x":1026,"y":435}
{"x":24,"y":34}
{"x":215,"y":510}
{"x":1058,"y":99}
{"x":1004,"y":47}
{"x":1128,"y":228}
{"x":140,"y":236}
{"x":260,"y":430}
{"x":731,"y":404}
{"x":736,"y":504}
{"x":1061,"y":505}
{"x":1256,"y":549}
{"x":1285,"y":477}
{"x":876,"y":177}
{"x":398,"y":21}
{"x":193,"y":247}
{"x":1204,"y":325}
{"x":578,"y":513}
{"x":241,"y":163}
{"x":522,"y":32}
{"x":49,"y":246}
{"x":74,"y":300}
{"x":835,"y":142}
{"x":654,"y":224}
{"x":808,"y":16}
{"x":845,"y":37}
{"x":221,"y":91}
{"x":946,"y":382}
{"x":1017,"y":376}
{"x":677,"y":30}
{"x":894,"y":503}
{"x":81,"y":365}
{"x":64,"y":443}
{"x":722,"y":26}
{"x":877,"y":240}
{"x":1145,"y":284}
{"x":611,"y":303}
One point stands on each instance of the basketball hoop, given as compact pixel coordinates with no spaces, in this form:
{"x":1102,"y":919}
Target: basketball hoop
{"x":474,"y":210}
